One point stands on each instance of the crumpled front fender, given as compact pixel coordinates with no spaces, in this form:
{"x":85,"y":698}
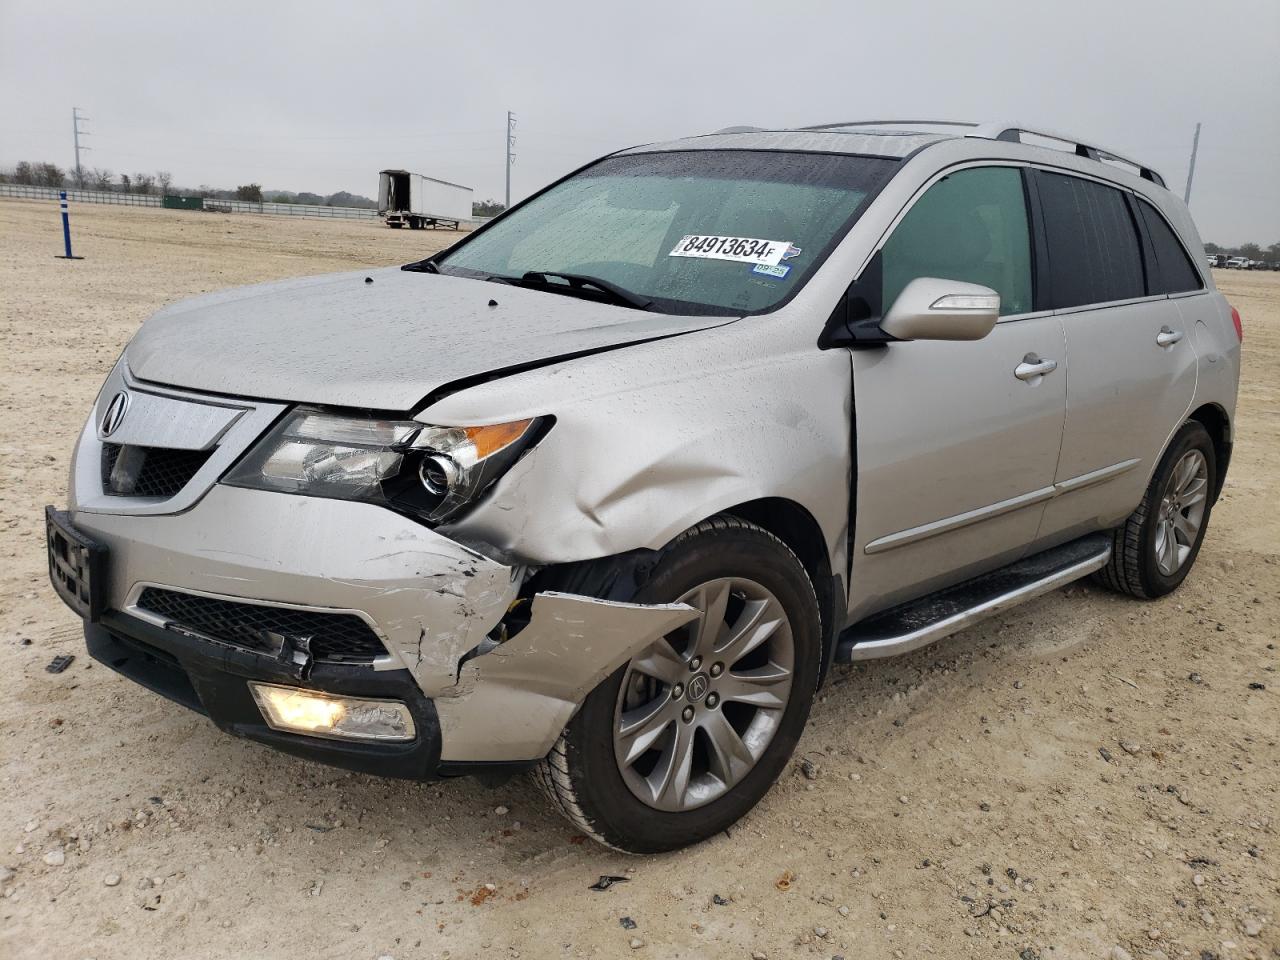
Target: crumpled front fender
{"x":645,"y":445}
{"x":514,"y":701}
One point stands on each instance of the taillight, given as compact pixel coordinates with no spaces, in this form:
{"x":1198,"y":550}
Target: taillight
{"x":1235,"y":318}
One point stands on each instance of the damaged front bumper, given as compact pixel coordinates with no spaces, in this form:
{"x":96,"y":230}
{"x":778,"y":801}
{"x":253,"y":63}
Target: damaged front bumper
{"x":427,"y":599}
{"x":513,"y":702}
{"x":434,"y":605}
{"x":214,"y":680}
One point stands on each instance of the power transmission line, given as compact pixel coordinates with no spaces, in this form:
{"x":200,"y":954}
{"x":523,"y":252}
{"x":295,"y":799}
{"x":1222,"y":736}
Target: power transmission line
{"x":511,"y":157}
{"x":76,"y":120}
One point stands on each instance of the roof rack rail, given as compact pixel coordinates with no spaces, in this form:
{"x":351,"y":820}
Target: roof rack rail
{"x":1013,"y":133}
{"x":893,"y":123}
{"x":1009,"y":132}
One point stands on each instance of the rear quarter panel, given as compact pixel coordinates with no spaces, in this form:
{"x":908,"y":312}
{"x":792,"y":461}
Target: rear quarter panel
{"x":1215,"y":339}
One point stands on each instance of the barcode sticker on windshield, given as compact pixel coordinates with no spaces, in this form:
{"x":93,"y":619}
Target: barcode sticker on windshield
{"x":737,"y":249}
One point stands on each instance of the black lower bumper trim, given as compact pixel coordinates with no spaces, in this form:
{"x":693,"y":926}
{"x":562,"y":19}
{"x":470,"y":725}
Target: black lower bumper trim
{"x":213,"y":680}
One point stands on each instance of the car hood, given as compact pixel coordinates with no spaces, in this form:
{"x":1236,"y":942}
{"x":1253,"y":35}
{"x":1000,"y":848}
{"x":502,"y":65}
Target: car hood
{"x":384,"y":339}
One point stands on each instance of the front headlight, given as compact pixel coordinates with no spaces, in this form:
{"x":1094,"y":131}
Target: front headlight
{"x":426,"y":470}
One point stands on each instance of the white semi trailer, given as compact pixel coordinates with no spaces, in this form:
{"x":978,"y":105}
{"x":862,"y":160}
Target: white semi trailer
{"x":410,"y":198}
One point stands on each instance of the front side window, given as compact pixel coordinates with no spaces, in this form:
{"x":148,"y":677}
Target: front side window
{"x":703,"y":231}
{"x":1094,"y":254}
{"x":972,"y":226}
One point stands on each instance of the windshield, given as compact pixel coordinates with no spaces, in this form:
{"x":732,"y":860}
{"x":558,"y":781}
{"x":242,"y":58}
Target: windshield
{"x":721,"y":232}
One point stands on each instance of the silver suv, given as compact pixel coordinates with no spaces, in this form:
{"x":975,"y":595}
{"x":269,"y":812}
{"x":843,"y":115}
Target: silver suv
{"x":604,"y":489}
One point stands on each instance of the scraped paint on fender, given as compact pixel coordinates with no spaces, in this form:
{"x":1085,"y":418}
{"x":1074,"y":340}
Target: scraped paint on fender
{"x":513,"y":702}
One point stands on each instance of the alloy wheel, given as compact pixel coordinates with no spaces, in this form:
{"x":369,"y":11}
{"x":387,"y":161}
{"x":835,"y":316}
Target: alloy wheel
{"x":1181,"y":512}
{"x":698,"y":708}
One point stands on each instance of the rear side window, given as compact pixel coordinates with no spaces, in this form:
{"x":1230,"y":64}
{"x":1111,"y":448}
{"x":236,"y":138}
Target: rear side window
{"x":1094,"y":254}
{"x":972,"y":226}
{"x":1172,"y":272}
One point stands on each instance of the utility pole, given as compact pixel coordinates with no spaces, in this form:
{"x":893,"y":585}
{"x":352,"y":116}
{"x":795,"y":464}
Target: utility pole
{"x":511,"y":157}
{"x":75,"y":126}
{"x":1191,"y":171}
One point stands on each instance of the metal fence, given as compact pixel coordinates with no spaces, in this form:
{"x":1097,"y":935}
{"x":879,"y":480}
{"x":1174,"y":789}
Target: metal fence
{"x":24,"y":192}
{"x":290,"y":209}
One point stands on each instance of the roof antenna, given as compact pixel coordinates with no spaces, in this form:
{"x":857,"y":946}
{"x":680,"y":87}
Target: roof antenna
{"x":1191,"y":171}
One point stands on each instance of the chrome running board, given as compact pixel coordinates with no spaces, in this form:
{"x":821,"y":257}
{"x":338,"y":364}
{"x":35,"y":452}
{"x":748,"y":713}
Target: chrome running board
{"x":919,"y":623}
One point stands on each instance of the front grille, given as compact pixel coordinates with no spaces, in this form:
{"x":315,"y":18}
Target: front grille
{"x":341,"y":637}
{"x":130,"y":471}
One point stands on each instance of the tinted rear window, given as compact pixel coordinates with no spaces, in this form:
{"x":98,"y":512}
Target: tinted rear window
{"x":1173,"y":272}
{"x":1094,"y":255}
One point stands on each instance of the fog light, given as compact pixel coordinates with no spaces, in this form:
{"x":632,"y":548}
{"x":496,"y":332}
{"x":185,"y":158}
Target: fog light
{"x":319,"y":714}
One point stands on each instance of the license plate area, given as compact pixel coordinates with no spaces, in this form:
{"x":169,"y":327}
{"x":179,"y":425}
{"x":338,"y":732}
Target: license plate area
{"x":76,"y":565}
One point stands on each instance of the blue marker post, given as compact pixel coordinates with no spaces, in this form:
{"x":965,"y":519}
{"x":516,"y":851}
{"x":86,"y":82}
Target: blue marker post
{"x":66,"y":228}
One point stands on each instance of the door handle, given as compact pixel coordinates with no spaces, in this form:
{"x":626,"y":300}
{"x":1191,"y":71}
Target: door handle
{"x":1033,"y":367}
{"x":1167,"y":336}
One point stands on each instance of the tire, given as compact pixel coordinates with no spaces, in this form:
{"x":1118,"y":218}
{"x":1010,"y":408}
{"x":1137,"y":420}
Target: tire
{"x":586,"y":776}
{"x":1141,"y":553}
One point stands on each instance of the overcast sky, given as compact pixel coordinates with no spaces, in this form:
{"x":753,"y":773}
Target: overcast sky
{"x":321,"y":95}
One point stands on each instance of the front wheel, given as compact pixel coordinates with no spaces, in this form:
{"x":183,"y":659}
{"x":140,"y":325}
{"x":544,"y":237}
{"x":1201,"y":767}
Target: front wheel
{"x":1155,"y":548}
{"x":685,"y":738}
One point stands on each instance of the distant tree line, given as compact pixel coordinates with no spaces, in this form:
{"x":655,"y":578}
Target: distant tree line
{"x":161,"y":182}
{"x":90,"y":178}
{"x":487,"y":208}
{"x":340,"y":199}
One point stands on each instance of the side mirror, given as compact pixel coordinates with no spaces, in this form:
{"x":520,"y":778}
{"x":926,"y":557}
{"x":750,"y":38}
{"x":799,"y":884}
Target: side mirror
{"x":933,"y":309}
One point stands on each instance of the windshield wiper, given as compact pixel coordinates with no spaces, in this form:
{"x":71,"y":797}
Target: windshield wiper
{"x":579,"y":281}
{"x":543,"y":280}
{"x":421,"y":266}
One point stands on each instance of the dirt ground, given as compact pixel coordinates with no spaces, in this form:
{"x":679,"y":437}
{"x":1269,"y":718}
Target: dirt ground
{"x":960,"y":803}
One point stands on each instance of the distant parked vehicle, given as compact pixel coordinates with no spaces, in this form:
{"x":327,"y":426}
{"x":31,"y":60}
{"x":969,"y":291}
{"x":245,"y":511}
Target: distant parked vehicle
{"x":1238,"y":263}
{"x":411,"y":198}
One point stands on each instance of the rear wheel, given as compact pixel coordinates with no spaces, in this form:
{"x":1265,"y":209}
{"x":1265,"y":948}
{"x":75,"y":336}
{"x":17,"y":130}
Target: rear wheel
{"x":685,"y":738}
{"x":1154,"y":550}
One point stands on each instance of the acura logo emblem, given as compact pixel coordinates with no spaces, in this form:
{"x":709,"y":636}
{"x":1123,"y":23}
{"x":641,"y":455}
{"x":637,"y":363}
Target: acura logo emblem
{"x":698,"y":687}
{"x":114,"y":416}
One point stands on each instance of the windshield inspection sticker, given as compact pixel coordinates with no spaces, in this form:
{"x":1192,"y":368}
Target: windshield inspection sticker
{"x":777,"y":272}
{"x":736,"y":249}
